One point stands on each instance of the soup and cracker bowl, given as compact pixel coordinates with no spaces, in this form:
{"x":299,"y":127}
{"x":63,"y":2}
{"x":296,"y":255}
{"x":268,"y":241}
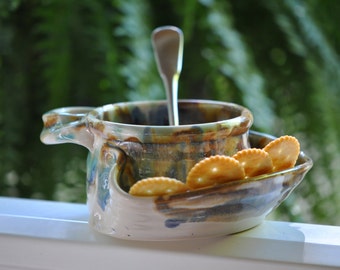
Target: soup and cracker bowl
{"x":210,"y":175}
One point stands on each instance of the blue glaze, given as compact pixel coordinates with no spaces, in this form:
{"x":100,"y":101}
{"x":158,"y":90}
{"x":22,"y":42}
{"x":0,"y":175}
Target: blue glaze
{"x":68,"y":137}
{"x":103,"y":193}
{"x":173,"y":223}
{"x":92,"y":162}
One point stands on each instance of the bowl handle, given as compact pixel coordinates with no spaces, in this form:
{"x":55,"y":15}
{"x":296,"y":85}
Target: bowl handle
{"x":67,"y":125}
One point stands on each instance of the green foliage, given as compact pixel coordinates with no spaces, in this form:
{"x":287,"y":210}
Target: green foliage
{"x":279,"y":58}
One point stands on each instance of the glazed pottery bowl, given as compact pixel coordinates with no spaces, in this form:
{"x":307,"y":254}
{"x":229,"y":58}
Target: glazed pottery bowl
{"x":131,"y":141}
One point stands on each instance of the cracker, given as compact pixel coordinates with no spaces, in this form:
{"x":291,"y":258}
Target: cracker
{"x":254,"y":161}
{"x":214,"y":170}
{"x":157,"y":186}
{"x":284,"y":152}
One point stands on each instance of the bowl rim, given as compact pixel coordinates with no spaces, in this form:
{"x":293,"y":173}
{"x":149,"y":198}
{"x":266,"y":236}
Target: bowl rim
{"x":244,"y":120}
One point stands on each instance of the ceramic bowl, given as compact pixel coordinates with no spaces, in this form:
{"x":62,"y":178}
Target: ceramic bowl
{"x":130,"y":141}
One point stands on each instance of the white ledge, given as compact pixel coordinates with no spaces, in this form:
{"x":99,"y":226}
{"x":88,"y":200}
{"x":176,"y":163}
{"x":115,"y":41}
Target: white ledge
{"x":54,"y":235}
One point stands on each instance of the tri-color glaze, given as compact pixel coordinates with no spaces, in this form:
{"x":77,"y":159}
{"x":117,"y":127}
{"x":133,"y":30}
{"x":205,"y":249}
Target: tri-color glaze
{"x":132,"y":140}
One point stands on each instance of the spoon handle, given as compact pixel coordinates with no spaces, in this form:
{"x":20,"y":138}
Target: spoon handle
{"x":167,"y":42}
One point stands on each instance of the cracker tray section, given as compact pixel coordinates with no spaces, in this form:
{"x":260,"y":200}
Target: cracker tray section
{"x":37,"y":234}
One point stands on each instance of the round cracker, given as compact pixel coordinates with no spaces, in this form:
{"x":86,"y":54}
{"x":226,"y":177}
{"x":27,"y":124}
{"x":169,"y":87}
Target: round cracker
{"x":284,"y":152}
{"x":214,"y":170}
{"x":254,"y":161}
{"x":157,"y":186}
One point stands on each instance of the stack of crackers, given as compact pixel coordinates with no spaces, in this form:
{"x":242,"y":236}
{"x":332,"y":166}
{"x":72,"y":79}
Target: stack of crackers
{"x":280,"y":154}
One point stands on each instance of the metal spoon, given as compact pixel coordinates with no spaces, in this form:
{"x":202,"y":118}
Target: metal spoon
{"x":167,"y":43}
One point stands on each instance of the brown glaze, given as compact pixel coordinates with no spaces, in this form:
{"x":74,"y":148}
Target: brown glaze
{"x":51,"y":120}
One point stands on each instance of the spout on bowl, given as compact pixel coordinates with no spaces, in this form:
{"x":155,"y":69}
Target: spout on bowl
{"x":67,"y":125}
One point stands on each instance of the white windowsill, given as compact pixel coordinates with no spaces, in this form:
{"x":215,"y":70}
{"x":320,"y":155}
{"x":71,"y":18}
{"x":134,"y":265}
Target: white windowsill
{"x":53,"y":235}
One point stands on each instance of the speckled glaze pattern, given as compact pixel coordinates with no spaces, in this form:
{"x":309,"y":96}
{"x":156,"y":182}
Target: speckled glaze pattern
{"x":132,"y":140}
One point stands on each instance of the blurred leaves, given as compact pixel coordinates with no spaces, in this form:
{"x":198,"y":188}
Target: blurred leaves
{"x":279,"y":58}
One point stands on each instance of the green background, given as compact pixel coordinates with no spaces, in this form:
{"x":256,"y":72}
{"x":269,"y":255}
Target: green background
{"x":278,"y":58}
